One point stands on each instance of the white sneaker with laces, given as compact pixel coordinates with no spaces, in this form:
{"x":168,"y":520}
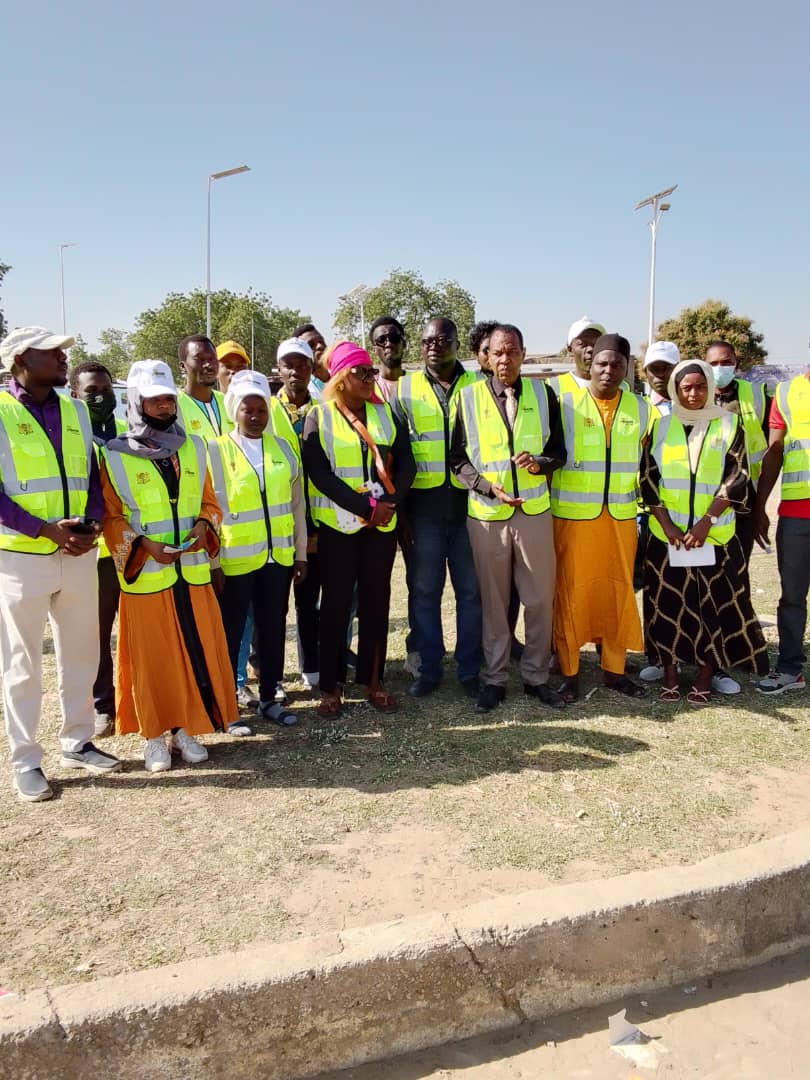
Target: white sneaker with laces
{"x":189,"y":749}
{"x":723,"y":683}
{"x":310,"y":679}
{"x":156,"y":756}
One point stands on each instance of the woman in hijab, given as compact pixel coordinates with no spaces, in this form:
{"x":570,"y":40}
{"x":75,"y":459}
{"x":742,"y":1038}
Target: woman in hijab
{"x":160,"y":523}
{"x":694,"y":478}
{"x":359,"y":466}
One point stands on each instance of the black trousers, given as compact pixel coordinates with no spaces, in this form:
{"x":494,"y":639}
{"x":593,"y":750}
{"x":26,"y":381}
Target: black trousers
{"x":268,"y":589}
{"x":307,"y":615}
{"x":364,"y":559}
{"x":108,"y":593}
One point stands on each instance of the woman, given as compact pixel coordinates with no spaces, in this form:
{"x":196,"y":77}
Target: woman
{"x":257,"y":481}
{"x":694,"y":480}
{"x":359,"y":466}
{"x":593,"y":500}
{"x":160,"y":523}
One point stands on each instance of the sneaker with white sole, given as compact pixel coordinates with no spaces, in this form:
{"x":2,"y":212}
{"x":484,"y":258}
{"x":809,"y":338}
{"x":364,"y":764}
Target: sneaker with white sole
{"x":156,"y":756}
{"x":103,"y":725}
{"x":91,"y":758}
{"x":246,"y":698}
{"x":722,"y":683}
{"x":188,"y":748}
{"x":32,"y":786}
{"x":240,"y":729}
{"x":310,"y":679}
{"x":779,"y":681}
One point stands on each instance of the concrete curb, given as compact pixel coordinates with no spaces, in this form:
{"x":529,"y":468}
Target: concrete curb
{"x":293,"y":1010}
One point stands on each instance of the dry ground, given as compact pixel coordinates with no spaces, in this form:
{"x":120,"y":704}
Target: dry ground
{"x":323,"y":827}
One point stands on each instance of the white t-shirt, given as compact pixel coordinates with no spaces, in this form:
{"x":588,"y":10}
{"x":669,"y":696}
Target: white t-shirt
{"x":253,"y":450}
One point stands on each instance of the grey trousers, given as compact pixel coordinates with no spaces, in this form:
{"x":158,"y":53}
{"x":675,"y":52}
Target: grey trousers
{"x":793,"y":559}
{"x":520,"y":548}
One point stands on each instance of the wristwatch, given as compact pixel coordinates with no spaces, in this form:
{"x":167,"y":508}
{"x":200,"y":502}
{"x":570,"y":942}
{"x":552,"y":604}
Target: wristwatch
{"x":712,"y":518}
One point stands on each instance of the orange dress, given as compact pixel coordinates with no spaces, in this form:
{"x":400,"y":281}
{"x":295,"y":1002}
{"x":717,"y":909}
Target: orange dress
{"x":594,"y":598}
{"x":155,"y":685}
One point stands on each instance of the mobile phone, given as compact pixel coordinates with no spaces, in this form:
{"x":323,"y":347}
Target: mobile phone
{"x":171,"y":549}
{"x":84,"y":526}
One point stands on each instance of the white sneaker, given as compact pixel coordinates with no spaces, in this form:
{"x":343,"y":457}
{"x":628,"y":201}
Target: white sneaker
{"x":652,"y":673}
{"x":240,"y":729}
{"x":724,"y":684}
{"x":310,"y":679}
{"x":412,"y":664}
{"x":246,"y":698}
{"x":156,"y":756}
{"x":189,"y":749}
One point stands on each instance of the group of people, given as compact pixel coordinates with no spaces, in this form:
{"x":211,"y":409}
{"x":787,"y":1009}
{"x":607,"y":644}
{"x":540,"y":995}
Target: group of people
{"x":194,"y":518}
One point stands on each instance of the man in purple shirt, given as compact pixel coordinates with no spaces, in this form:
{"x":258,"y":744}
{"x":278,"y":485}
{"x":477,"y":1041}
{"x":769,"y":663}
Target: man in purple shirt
{"x":50,"y":514}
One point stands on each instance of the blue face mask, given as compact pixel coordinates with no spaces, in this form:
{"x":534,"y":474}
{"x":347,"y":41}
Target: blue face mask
{"x":724,"y":375}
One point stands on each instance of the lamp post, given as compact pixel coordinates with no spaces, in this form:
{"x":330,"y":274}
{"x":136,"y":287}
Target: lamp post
{"x":212,"y":177}
{"x":658,"y":208}
{"x":357,"y":296}
{"x":61,"y":248}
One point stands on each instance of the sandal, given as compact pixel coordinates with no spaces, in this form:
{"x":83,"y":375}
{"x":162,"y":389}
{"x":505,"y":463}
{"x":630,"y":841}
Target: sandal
{"x":569,"y":689}
{"x":381,"y":700}
{"x":698,"y":697}
{"x":622,"y":685}
{"x":669,"y":693}
{"x":329,"y":708}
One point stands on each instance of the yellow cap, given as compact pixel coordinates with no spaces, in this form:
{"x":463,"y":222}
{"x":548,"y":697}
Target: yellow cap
{"x":230,"y":348}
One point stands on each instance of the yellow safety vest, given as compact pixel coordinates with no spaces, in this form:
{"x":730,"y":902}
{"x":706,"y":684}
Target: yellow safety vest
{"x":751,"y":397}
{"x":31,"y":474}
{"x":151,"y":513}
{"x":687,"y":495}
{"x":429,"y":429}
{"x":342,"y":447}
{"x":257,"y":519}
{"x":793,"y":402}
{"x":491,"y":447}
{"x":195,"y":419}
{"x":595,"y":474}
{"x":120,"y":428}
{"x":567,"y":384}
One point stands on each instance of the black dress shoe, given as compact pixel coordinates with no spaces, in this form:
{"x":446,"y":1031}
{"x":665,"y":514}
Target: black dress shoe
{"x":543,"y":693}
{"x":489,"y":697}
{"x":471,"y":687}
{"x":422,"y":687}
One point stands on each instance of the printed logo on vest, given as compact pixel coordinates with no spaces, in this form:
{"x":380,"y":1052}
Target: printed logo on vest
{"x":25,"y":429}
{"x":142,"y":478}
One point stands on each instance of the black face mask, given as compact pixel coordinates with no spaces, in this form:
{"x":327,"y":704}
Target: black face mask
{"x":101,"y":406}
{"x":161,"y":425}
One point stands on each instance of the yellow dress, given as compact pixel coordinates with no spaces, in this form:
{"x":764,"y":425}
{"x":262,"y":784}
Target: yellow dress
{"x":594,"y":598}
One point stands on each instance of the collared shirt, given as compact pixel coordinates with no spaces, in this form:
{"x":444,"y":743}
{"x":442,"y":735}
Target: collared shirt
{"x":48,"y":415}
{"x":663,"y":404}
{"x":296,"y":413}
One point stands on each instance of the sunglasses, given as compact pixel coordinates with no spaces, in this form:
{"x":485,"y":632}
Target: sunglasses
{"x":394,"y":338}
{"x":365,"y":373}
{"x":440,"y":340}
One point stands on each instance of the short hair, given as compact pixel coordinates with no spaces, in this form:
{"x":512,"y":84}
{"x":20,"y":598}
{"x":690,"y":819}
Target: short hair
{"x":444,"y":319}
{"x":508,"y":328}
{"x":479,"y":332}
{"x":385,"y":320}
{"x":721,"y":343}
{"x":306,"y":328}
{"x":192,"y":339}
{"x":87,"y":366}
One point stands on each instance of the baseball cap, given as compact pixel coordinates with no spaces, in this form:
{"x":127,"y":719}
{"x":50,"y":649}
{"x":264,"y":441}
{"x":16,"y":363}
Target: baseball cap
{"x":294,"y":345}
{"x":22,"y":338}
{"x":232,"y":348}
{"x":581,"y":325}
{"x":151,"y":378}
{"x":662,"y":350}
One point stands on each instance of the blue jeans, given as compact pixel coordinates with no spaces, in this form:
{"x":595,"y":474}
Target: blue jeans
{"x":244,"y":651}
{"x":438,"y":545}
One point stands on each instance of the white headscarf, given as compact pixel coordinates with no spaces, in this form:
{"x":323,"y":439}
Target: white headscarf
{"x":710,"y":411}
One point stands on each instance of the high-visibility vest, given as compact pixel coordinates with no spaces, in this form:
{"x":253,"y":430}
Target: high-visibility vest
{"x":567,"y":384}
{"x":491,"y":447}
{"x":793,"y":402}
{"x":33,"y":477}
{"x":120,"y":428}
{"x":751,"y":397}
{"x":151,"y":513}
{"x":429,"y":429}
{"x":595,"y":474}
{"x":687,"y":496}
{"x":257,"y":519}
{"x":195,"y":419}
{"x":342,"y":447}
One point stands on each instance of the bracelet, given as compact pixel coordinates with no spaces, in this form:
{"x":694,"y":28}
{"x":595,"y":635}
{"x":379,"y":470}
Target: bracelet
{"x":372,"y":503}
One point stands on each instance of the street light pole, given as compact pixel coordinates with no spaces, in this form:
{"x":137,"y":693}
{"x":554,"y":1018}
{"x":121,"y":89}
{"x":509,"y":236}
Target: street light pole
{"x":658,"y":208}
{"x":357,"y":296}
{"x":211,"y":178}
{"x":61,"y":248}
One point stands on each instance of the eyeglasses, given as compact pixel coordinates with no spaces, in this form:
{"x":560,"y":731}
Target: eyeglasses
{"x":394,"y":338}
{"x":439,"y":339}
{"x":365,"y":373}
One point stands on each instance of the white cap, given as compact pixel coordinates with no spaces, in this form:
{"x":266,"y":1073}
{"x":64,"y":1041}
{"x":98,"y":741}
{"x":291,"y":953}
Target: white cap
{"x":151,"y":378}
{"x":662,"y":350}
{"x":581,"y":325}
{"x":30,"y":337}
{"x":294,"y":345}
{"x":244,"y":384}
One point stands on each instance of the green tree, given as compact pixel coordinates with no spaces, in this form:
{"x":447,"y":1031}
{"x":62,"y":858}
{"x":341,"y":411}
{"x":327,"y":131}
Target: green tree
{"x":116,"y":351}
{"x":4,"y":269}
{"x":405,"y":295}
{"x":695,"y":327}
{"x":158,"y":330}
{"x":79,"y":353}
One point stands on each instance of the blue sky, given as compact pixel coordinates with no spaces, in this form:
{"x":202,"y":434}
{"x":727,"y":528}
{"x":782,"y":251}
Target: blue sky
{"x":501,"y":145}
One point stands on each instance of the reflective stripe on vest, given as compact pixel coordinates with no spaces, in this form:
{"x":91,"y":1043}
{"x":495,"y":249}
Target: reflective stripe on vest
{"x":120,"y":428}
{"x":594,"y":474}
{"x":751,"y":397}
{"x":244,"y":531}
{"x":341,"y":445}
{"x":793,"y":402}
{"x":148,"y":509}
{"x":491,"y":455}
{"x":686,"y":496}
{"x":428,"y":428}
{"x":31,"y":474}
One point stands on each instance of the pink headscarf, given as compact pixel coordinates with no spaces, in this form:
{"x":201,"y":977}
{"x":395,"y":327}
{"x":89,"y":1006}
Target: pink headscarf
{"x":345,"y":355}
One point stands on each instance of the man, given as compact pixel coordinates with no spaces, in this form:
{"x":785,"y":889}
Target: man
{"x":426,"y":402}
{"x":201,"y":408}
{"x":660,"y":361}
{"x":479,"y":344}
{"x":788,"y":449}
{"x":294,"y":357}
{"x":91,"y":382}
{"x":50,"y":512}
{"x":582,"y":336}
{"x":388,"y":344}
{"x":503,"y":454}
{"x":231,"y":357}
{"x":320,"y":372}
